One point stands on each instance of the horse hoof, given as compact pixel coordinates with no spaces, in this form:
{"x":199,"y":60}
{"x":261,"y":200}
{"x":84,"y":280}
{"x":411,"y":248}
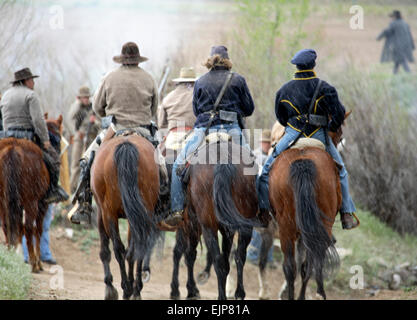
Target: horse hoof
{"x":136,"y":298}
{"x":146,"y":276}
{"x":195,"y":296}
{"x":111,"y":293}
{"x":203,"y":277}
{"x":175,"y":296}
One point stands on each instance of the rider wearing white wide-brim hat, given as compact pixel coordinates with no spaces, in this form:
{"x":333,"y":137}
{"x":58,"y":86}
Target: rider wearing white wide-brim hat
{"x":177,"y":105}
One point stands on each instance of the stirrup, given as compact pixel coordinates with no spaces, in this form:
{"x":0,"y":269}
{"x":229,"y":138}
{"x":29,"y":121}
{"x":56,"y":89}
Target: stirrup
{"x":80,"y":213}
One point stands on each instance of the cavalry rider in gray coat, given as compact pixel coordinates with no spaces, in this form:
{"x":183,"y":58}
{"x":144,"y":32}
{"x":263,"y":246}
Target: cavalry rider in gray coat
{"x":291,"y":106}
{"x":237,"y":101}
{"x":23,"y":118}
{"x":399,"y":43}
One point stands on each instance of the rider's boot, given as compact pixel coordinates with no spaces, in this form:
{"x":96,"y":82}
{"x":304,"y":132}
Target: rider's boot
{"x":348,"y":222}
{"x":83,"y":194}
{"x":175,"y":218}
{"x":55,"y":193}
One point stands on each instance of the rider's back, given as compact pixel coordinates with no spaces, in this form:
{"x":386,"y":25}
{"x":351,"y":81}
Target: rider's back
{"x":20,"y":108}
{"x":129,"y":93}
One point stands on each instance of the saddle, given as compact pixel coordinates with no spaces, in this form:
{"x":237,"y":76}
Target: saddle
{"x":225,"y":154}
{"x":303,"y":143}
{"x":308,"y":142}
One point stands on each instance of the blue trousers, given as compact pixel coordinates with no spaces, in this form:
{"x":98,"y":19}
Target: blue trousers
{"x":255,"y":246}
{"x":290,"y":134}
{"x":44,"y":243}
{"x":177,"y":192}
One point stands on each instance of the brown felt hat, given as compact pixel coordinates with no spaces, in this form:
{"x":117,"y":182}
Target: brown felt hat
{"x":130,"y":54}
{"x":23,"y":74}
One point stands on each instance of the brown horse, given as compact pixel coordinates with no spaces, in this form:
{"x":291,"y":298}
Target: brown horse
{"x":24,"y":181}
{"x":125,"y":184}
{"x":222,"y":196}
{"x":305,"y":197}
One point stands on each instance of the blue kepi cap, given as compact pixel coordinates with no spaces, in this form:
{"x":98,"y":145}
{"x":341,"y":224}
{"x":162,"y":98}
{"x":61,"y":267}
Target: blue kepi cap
{"x":304,"y":57}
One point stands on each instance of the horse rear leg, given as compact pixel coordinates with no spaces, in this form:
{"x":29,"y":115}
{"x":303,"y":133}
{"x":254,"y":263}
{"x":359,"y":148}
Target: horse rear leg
{"x":240,"y":259}
{"x":204,"y":275}
{"x":178,"y":251}
{"x":29,"y":232}
{"x":105,"y":256}
{"x":190,"y":256}
{"x":289,"y":266}
{"x":213,"y":248}
{"x":319,"y":279}
{"x":39,"y":230}
{"x":305,"y":269}
{"x":120,"y":254}
{"x":267,"y":241}
{"x":138,"y":284}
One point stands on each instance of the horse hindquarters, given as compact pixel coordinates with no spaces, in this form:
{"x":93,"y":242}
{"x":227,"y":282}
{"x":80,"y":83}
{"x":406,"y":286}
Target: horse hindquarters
{"x":142,"y":226}
{"x":314,"y":237}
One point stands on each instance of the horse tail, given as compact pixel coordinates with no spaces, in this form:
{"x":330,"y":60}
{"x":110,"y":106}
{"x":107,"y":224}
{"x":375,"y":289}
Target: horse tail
{"x":226,"y":212}
{"x":143,"y":227}
{"x":320,"y":251}
{"x":13,"y":216}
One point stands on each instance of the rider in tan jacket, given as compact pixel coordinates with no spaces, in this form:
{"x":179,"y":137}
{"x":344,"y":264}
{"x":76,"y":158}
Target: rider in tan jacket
{"x":130,"y":95}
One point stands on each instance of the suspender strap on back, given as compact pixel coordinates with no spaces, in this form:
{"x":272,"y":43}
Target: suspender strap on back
{"x":310,"y":110}
{"x":218,"y":100}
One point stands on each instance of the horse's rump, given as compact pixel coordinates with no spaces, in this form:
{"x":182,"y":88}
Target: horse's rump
{"x":21,"y":183}
{"x":125,"y":183}
{"x":222,"y":180}
{"x":305,"y":194}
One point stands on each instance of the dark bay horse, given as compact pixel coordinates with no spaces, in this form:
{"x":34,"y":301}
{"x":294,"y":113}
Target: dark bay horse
{"x":24,"y":181}
{"x":305,"y":197}
{"x":222,"y":196}
{"x":125,"y":184}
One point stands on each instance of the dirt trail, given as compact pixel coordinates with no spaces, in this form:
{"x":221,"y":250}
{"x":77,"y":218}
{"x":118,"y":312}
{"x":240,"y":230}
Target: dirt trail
{"x":83,"y":277}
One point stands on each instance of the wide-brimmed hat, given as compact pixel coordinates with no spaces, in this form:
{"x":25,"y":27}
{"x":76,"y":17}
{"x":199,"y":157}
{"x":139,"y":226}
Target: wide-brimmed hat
{"x":266,"y":136}
{"x":84,"y":91}
{"x":186,"y":75}
{"x":130,"y":54}
{"x":23,"y":74}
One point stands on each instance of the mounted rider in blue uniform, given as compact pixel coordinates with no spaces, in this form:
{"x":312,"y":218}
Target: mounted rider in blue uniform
{"x":236,"y":103}
{"x":291,"y":108}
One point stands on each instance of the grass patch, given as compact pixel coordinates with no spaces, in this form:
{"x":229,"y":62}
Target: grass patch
{"x":15,"y":276}
{"x":371,"y":242}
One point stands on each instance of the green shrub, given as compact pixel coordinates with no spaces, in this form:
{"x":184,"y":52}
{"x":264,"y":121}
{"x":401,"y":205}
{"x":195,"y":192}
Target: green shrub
{"x":15,"y":276}
{"x":380,"y":150}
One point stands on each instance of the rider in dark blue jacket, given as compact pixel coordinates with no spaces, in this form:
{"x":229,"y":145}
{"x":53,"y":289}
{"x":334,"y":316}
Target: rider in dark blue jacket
{"x":291,"y":107}
{"x":236,"y":103}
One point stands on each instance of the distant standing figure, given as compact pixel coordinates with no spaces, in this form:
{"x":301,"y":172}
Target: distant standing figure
{"x":86,"y":128}
{"x":399,"y":43}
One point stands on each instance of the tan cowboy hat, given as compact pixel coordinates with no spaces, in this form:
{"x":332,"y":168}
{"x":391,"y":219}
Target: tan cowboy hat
{"x":186,"y":75}
{"x":23,"y":74}
{"x":130,"y":54}
{"x":266,"y":136}
{"x":84,"y":92}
